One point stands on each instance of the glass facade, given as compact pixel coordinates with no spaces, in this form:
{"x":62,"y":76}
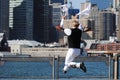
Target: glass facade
{"x":42,"y":20}
{"x":21,"y":19}
{"x":4,"y":17}
{"x":57,"y":1}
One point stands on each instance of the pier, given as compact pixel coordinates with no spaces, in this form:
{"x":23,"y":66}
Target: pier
{"x":58,"y":55}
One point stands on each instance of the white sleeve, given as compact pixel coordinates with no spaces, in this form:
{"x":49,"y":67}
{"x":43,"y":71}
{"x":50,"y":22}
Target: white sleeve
{"x":61,"y":23}
{"x":80,"y":27}
{"x":67,"y":31}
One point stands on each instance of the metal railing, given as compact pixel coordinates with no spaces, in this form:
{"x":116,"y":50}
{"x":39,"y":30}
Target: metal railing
{"x":55,"y":61}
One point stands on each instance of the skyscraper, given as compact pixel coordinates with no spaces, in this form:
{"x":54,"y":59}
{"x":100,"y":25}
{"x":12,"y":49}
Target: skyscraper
{"x":106,"y":26}
{"x":104,"y":23}
{"x":116,"y":3}
{"x":4,"y":17}
{"x":118,"y":27}
{"x":56,"y":17}
{"x":58,"y":1}
{"x":21,"y":19}
{"x":30,"y":19}
{"x":42,"y":20}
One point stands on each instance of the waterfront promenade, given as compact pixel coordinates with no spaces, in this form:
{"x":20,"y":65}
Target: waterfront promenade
{"x":58,"y":54}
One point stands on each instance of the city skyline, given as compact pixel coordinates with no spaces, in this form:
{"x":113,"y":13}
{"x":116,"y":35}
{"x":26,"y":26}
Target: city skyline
{"x":38,"y":21}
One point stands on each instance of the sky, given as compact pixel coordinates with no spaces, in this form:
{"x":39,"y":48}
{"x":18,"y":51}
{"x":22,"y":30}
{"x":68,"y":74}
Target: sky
{"x":76,"y":3}
{"x":102,"y":4}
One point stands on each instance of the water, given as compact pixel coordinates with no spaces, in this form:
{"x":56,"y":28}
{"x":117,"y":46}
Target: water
{"x":43,"y":70}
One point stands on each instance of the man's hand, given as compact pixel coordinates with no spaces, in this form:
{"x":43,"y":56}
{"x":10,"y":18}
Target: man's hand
{"x":76,"y":16}
{"x":86,"y":28}
{"x":63,"y":17}
{"x":59,"y":28}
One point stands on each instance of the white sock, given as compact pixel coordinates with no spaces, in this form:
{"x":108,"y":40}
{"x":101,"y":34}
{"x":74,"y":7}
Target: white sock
{"x":65,"y":68}
{"x":78,"y":65}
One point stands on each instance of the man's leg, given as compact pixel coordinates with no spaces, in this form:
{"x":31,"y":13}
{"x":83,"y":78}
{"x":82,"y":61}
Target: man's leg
{"x":71,"y":54}
{"x":69,"y":58}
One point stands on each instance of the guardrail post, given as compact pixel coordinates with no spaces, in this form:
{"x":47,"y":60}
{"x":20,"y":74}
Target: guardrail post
{"x":109,"y":68}
{"x":54,"y":61}
{"x":53,"y":69}
{"x":57,"y":71}
{"x":115,"y":66}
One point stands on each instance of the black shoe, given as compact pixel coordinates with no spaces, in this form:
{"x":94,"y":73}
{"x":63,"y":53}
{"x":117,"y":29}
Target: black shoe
{"x":82,"y":66}
{"x":64,"y":72}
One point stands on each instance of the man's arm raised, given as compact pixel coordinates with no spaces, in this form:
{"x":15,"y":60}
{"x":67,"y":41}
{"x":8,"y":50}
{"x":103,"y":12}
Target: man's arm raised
{"x":61,"y":27}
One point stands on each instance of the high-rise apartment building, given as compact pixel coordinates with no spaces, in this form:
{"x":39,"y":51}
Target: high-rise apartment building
{"x":58,"y":1}
{"x":21,"y":19}
{"x":94,"y":16}
{"x":118,"y":27}
{"x":42,"y":20}
{"x":56,"y":17}
{"x":84,"y":5}
{"x":106,"y":25}
{"x":104,"y":21}
{"x":4,"y":17}
{"x":30,"y":19}
{"x":116,"y":3}
{"x":116,"y":7}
